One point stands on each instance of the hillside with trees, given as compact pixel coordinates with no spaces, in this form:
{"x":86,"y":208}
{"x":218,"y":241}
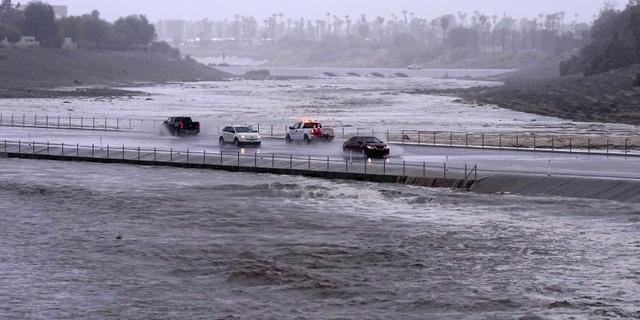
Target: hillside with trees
{"x":600,"y":84}
{"x":124,"y":51}
{"x":616,"y":43}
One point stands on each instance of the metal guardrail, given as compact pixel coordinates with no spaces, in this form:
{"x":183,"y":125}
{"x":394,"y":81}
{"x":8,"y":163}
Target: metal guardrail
{"x":366,"y":166}
{"x":581,"y":143}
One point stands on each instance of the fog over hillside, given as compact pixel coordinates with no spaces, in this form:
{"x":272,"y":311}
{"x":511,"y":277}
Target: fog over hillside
{"x":200,"y":9}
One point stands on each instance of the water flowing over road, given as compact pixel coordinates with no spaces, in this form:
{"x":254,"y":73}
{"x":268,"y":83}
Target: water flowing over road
{"x":115,"y":241}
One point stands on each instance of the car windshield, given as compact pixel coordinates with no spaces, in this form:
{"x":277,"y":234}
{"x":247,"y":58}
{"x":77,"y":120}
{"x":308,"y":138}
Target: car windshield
{"x":243,"y":130}
{"x":371,"y":140}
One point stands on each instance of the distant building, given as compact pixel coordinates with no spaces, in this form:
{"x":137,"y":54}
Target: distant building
{"x":60,"y":11}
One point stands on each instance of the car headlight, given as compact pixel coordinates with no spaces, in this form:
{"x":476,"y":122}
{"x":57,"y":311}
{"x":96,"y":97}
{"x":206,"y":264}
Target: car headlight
{"x":258,"y":137}
{"x":242,"y":137}
{"x":370,"y":147}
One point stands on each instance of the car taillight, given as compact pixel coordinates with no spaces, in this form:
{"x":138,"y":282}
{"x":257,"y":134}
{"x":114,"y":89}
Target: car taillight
{"x":181,"y":125}
{"x":315,"y":131}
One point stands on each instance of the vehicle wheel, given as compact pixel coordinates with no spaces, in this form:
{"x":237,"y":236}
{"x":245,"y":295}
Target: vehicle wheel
{"x":306,"y":139}
{"x":287,"y":139}
{"x":236,"y":142}
{"x":258,"y":144}
{"x":221,"y":141}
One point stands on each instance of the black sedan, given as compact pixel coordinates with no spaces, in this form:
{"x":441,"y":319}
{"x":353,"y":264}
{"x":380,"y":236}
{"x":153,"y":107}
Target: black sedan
{"x":371,"y":147}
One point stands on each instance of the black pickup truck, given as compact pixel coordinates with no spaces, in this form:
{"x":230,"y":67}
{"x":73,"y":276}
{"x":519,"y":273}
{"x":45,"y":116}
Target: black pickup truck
{"x":182,"y":126}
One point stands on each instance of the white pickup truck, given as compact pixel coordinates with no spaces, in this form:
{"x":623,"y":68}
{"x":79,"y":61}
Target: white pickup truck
{"x":308,"y":131}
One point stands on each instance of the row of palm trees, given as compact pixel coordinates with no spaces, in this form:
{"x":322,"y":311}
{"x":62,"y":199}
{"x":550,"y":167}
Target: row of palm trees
{"x":493,"y":30}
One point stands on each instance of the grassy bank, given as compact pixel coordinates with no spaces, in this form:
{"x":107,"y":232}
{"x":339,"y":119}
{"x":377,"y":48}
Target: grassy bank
{"x":607,"y":97}
{"x":46,"y":68}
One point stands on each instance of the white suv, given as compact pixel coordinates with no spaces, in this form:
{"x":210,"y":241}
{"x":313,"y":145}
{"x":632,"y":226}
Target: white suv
{"x":239,"y":135}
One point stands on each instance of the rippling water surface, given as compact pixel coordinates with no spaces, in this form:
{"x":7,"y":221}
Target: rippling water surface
{"x":88,"y":241}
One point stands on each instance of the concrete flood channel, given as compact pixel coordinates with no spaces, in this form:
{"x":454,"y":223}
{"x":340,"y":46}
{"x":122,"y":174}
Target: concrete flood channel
{"x":359,"y":169}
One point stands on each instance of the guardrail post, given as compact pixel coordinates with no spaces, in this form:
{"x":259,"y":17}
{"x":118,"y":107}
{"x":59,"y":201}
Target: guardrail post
{"x":47,"y":147}
{"x":107,"y":151}
{"x":258,"y":128}
{"x":23,"y":119}
{"x":570,"y":145}
{"x":271,"y":131}
{"x":12,"y":119}
{"x":553,"y":143}
{"x":607,"y":146}
{"x":204,"y":156}
{"x":290,"y":161}
{"x":451,"y":139}
{"x":94,"y":123}
{"x":105,"y":124}
{"x":434,"y":138}
{"x":517,"y":142}
{"x":419,"y":138}
{"x":346,"y":166}
{"x":77,"y":149}
{"x":466,"y":140}
{"x":46,"y":119}
{"x":309,"y":162}
{"x":402,"y":138}
{"x":255,"y":159}
{"x":187,"y":155}
{"x":19,"y":146}
{"x":220,"y":157}
{"x":35,"y":120}
{"x":500,"y":141}
{"x":387,"y":135}
{"x":58,"y":122}
{"x":342,"y":132}
{"x":138,"y":153}
{"x":92,"y":150}
{"x":273,"y":160}
{"x":626,"y":143}
{"x":404,"y":167}
{"x":588,"y":145}
{"x":5,"y":145}
{"x":475,"y":170}
{"x":327,"y":164}
{"x":424,"y":169}
{"x":238,"y":159}
{"x":123,"y":152}
{"x":117,"y":123}
{"x":483,"y":141}
{"x":155,"y":154}
{"x":465,"y":171}
{"x":69,"y":122}
{"x":534,"y":142}
{"x":171,"y":155}
{"x":384,"y":166}
{"x":33,"y":147}
{"x":61,"y":148}
{"x":445,"y":170}
{"x":81,"y":122}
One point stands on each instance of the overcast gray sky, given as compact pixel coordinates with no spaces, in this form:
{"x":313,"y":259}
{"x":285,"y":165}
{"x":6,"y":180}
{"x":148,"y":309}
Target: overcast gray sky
{"x":215,"y":9}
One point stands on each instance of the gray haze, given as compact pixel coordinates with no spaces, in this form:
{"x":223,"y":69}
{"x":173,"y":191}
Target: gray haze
{"x":200,"y":9}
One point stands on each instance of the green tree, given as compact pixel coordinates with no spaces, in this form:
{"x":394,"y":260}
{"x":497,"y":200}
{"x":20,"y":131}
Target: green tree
{"x":40,"y":22}
{"x":133,"y":31}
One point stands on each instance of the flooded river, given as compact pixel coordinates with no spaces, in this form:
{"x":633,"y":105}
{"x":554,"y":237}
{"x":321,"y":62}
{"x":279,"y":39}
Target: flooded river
{"x":93,"y":241}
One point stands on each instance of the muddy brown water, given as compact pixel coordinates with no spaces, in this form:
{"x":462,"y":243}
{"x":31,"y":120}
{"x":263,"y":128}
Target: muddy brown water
{"x":88,"y":241}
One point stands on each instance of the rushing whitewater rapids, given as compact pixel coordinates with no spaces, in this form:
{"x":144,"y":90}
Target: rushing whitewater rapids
{"x":89,"y":241}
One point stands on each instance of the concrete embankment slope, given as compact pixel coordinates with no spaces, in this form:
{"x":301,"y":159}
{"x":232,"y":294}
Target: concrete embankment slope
{"x":572,"y":187}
